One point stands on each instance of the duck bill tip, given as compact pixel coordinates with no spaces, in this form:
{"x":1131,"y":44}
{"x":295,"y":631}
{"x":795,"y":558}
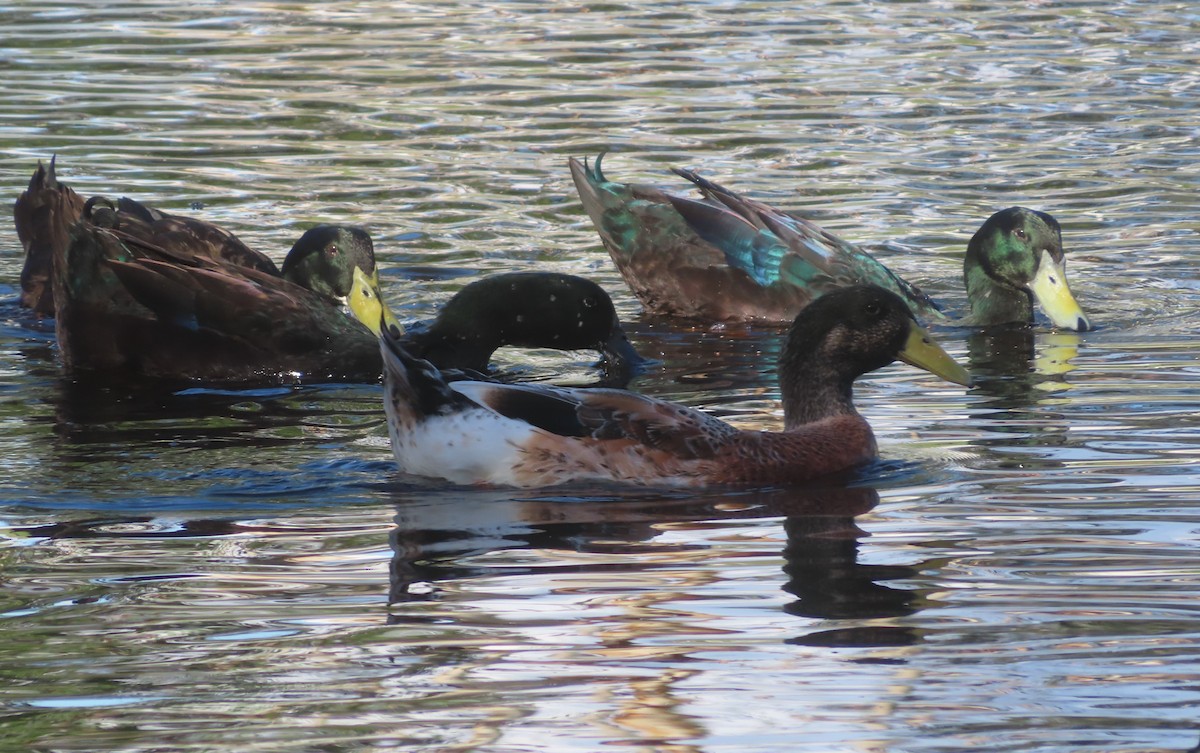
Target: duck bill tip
{"x":1051,"y":291}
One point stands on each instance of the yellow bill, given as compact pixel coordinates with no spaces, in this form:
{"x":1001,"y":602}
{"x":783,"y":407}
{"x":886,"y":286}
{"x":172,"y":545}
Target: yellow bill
{"x":366,"y":303}
{"x":1052,"y":293}
{"x":921,"y":351}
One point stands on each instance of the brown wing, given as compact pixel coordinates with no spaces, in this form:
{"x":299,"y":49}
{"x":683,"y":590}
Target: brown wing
{"x":186,"y":236}
{"x":45,"y":213}
{"x":121,"y":310}
{"x":606,"y":415}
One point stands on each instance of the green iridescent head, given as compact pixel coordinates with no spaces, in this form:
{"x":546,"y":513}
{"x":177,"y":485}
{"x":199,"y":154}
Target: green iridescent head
{"x":1014,"y":259}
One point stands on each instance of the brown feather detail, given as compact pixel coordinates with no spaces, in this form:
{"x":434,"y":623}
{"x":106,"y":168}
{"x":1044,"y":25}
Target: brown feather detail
{"x":606,"y":415}
{"x":722,"y":256}
{"x":45,"y":213}
{"x":623,"y":436}
{"x":187,"y":237}
{"x":742,"y":458}
{"x":685,"y":276}
{"x":675,"y":429}
{"x":802,"y":454}
{"x":119,"y":308}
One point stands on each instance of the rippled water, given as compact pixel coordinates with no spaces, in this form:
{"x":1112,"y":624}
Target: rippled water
{"x":244,"y":570}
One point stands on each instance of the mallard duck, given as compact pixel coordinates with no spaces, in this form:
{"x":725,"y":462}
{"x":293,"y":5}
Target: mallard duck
{"x":167,"y":296}
{"x":530,"y":435}
{"x":129,"y":306}
{"x":138,"y":291}
{"x":524,"y":309}
{"x":47,"y":210}
{"x":725,"y":257}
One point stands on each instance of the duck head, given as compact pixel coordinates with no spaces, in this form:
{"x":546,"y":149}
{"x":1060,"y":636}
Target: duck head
{"x":843,"y":335}
{"x":1015,"y":258}
{"x":325,"y":257}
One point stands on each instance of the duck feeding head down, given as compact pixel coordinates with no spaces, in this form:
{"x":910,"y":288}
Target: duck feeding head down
{"x":475,"y":432}
{"x":522,"y":309}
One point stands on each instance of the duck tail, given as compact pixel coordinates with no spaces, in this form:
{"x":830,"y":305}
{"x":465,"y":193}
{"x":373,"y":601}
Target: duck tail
{"x":414,"y":388}
{"x":44,"y":215}
{"x":588,"y":181}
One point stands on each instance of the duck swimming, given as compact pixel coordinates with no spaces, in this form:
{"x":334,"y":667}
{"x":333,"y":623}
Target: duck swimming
{"x":136,"y":290}
{"x":128,"y":306}
{"x":728,"y":258}
{"x":474,"y":432}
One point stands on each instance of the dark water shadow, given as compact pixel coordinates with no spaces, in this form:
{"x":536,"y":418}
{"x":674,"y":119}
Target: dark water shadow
{"x":1017,"y":371}
{"x":1016,"y":365}
{"x":99,"y":410}
{"x":712,"y":358}
{"x":436,"y":536}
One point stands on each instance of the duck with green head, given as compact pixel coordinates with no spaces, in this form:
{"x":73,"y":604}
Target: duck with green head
{"x":128,"y":306}
{"x":724,"y":257}
{"x":46,"y":212}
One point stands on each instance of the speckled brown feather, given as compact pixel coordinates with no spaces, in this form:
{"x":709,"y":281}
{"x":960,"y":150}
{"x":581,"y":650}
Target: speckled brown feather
{"x":723,"y":257}
{"x":45,"y":213}
{"x":628,"y":437}
{"x":684,"y":276}
{"x":187,"y":237}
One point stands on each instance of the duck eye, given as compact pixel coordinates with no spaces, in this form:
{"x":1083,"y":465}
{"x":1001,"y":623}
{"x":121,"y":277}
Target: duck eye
{"x":331,"y":251}
{"x":873,"y":310}
{"x":1021,"y":234}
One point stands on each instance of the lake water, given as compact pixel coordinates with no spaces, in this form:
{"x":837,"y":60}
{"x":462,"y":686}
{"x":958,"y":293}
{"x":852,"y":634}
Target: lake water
{"x":245,"y":571}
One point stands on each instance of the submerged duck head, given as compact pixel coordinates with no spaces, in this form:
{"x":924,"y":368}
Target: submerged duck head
{"x":1015,"y":258}
{"x":525,"y":309}
{"x":843,"y":335}
{"x":530,"y":310}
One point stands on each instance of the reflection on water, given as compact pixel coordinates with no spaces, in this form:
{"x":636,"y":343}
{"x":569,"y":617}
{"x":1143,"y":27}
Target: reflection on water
{"x":208,"y":570}
{"x":431,"y":540}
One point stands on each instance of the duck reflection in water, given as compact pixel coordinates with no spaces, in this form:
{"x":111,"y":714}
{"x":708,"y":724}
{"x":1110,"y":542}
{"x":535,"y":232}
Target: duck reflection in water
{"x":1017,"y":372}
{"x":1016,"y":365}
{"x":436,"y":537}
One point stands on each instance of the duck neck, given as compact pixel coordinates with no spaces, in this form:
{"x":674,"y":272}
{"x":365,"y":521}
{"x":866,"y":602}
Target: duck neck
{"x":991,"y":302}
{"x":812,"y":391}
{"x":449,"y":348}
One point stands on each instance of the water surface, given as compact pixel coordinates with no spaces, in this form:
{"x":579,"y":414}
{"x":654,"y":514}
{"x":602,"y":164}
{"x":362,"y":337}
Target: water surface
{"x":243,"y":570}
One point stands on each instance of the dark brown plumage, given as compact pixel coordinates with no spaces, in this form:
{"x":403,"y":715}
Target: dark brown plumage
{"x":124,"y":305}
{"x":139,"y":291}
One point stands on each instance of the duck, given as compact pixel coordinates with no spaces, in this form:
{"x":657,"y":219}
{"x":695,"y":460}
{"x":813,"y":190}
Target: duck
{"x":528,"y":435}
{"x":137,"y":290}
{"x":531,"y":309}
{"x":724,"y":257}
{"x":128,"y":306}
